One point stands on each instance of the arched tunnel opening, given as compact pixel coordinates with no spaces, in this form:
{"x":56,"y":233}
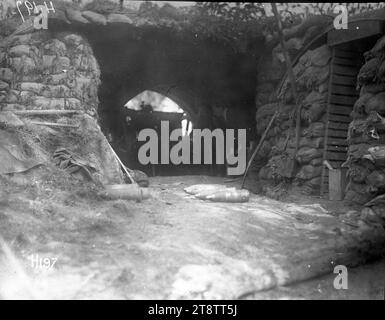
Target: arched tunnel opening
{"x":205,"y":78}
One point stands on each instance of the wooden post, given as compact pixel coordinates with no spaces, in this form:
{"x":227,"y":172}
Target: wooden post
{"x":291,"y":75}
{"x":47,"y":112}
{"x":258,"y":147}
{"x":121,"y":164}
{"x":324,"y":154}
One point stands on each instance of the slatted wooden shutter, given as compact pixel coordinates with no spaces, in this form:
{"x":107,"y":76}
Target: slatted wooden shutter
{"x":342,"y":95}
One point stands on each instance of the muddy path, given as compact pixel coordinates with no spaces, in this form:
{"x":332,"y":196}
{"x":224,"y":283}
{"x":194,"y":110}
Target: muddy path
{"x":173,"y":246}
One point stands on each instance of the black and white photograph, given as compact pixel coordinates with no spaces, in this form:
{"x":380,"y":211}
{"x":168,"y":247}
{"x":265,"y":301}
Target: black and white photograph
{"x":215,"y":153}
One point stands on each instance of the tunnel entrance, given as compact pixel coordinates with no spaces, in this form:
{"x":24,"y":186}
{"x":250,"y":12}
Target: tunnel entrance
{"x":194,"y":71}
{"x":146,"y":111}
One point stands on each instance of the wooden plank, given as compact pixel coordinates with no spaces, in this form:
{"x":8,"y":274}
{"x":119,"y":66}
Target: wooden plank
{"x":335,"y":164}
{"x":345,"y":90}
{"x":54,"y":124}
{"x":337,"y":133}
{"x":336,"y":156}
{"x":44,"y":112}
{"x":356,"y":30}
{"x":341,"y":110}
{"x":350,"y":62}
{"x":340,"y":118}
{"x":342,"y":100}
{"x":345,"y":70}
{"x":341,"y":53}
{"x":344,"y":79}
{"x":337,"y":142}
{"x":337,"y":148}
{"x":338,"y":125}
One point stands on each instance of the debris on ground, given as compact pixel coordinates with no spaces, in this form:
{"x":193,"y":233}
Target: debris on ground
{"x":218,"y":193}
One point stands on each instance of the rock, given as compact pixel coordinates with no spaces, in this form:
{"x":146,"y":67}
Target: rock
{"x":75,"y":16}
{"x":6,"y":74}
{"x":3,"y":86}
{"x":95,"y":17}
{"x":20,"y":50}
{"x":118,"y":18}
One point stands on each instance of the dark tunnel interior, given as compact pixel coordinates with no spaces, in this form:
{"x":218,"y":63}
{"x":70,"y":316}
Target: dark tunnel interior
{"x":194,"y":72}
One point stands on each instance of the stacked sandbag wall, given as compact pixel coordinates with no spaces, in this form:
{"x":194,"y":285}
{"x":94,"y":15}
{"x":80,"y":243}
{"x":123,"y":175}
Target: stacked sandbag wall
{"x":39,"y":71}
{"x":312,"y":74}
{"x":366,"y":135}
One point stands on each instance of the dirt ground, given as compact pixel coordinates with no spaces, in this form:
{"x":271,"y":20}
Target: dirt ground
{"x":174,"y":246}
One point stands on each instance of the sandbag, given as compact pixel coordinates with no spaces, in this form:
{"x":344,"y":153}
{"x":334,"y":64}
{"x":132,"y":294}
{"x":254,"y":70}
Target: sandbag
{"x":377,"y":153}
{"x":368,"y":71}
{"x":12,"y":156}
{"x":306,"y":154}
{"x":265,"y":173}
{"x":316,"y":161}
{"x":355,"y":197}
{"x":315,"y":129}
{"x":376,"y":179}
{"x":358,"y":127}
{"x":312,"y":185}
{"x":313,"y":113}
{"x":309,"y":172}
{"x":313,"y":76}
{"x":376,"y":103}
{"x":280,"y":166}
{"x":358,"y":172}
{"x":314,"y":97}
{"x":315,"y":143}
{"x":357,"y":151}
{"x":373,"y":88}
{"x":359,"y":105}
{"x":266,"y":110}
